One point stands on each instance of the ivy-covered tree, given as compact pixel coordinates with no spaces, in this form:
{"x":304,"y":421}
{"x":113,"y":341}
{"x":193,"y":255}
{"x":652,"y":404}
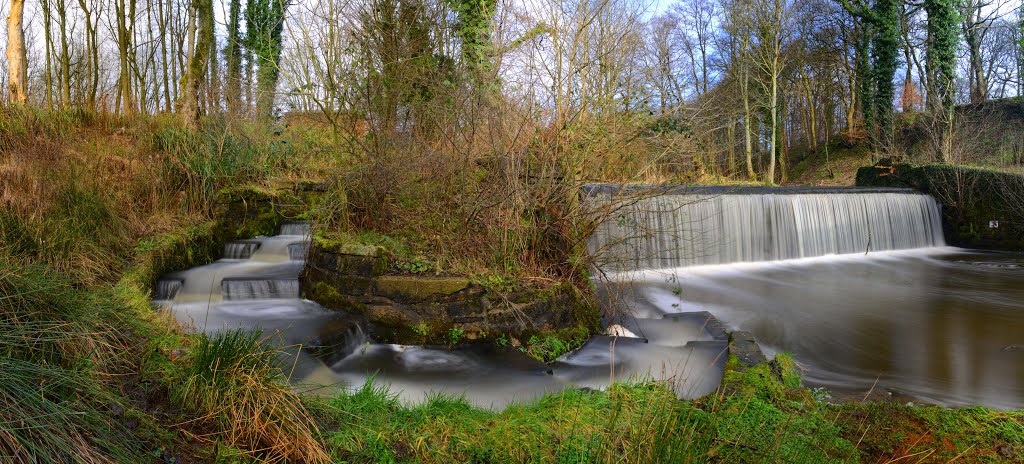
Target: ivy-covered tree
{"x":886,"y":45}
{"x":233,"y":58}
{"x":264,"y":26}
{"x":940,"y":55}
{"x":881,"y":22}
{"x":474,"y":30}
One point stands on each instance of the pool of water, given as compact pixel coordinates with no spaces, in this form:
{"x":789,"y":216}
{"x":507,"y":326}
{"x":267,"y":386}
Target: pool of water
{"x":942,"y":325}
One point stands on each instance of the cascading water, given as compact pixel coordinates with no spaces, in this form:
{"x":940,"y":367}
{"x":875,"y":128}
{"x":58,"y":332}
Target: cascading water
{"x":930,"y":322}
{"x":166,"y":289}
{"x":295,"y":228}
{"x":297,"y":251}
{"x":690,"y":229}
{"x":259,"y":289}
{"x":262,"y":291}
{"x":240,"y":250}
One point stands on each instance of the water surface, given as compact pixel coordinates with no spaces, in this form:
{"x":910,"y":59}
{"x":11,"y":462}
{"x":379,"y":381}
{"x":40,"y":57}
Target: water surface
{"x":943,"y":325}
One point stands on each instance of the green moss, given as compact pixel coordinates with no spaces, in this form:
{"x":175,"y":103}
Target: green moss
{"x":784,"y":368}
{"x":328,"y":296}
{"x":547,"y":347}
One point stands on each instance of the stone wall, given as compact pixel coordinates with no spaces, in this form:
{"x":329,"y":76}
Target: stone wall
{"x":971,"y":199}
{"x":443,"y":310}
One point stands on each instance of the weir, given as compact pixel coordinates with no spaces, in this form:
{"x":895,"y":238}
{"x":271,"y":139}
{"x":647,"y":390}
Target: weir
{"x":669,"y":228}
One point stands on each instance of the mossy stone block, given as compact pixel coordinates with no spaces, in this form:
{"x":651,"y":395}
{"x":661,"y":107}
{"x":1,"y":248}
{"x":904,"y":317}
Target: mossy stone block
{"x":417,"y":288}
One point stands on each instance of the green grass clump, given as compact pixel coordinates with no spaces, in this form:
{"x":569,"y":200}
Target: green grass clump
{"x":55,"y":341}
{"x":231,"y":382}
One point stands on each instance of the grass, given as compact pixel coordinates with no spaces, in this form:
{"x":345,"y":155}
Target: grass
{"x":57,"y":346}
{"x":232,"y":383}
{"x":94,"y":207}
{"x":639,"y":422}
{"x":761,"y":415}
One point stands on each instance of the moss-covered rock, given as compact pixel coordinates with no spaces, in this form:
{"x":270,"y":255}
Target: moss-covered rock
{"x":419,"y":288}
{"x":446,"y":310}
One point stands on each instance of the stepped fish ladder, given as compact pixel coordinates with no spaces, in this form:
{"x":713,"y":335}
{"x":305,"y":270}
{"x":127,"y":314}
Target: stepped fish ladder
{"x":693,"y":227}
{"x":256,"y":286}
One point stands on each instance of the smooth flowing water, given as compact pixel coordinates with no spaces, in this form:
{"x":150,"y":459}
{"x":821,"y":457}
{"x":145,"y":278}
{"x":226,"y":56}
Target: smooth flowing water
{"x":935,"y":323}
{"x":256,"y":285}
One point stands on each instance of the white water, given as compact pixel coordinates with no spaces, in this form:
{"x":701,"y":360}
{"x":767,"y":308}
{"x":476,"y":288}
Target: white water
{"x":240,"y":250}
{"x":670,"y":231}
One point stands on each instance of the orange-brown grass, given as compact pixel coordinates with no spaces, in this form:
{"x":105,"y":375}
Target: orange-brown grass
{"x":232,"y":384}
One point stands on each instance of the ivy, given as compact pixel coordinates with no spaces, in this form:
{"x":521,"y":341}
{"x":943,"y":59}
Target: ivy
{"x":940,"y":55}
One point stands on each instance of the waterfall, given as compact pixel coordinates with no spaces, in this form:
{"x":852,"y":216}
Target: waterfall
{"x":297,"y":251}
{"x":240,"y":250}
{"x":691,"y":229}
{"x":295,"y":228}
{"x":166,"y":289}
{"x":259,"y":289}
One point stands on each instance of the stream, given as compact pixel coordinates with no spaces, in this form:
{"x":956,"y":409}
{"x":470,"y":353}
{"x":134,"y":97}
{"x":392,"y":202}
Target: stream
{"x":256,"y":285}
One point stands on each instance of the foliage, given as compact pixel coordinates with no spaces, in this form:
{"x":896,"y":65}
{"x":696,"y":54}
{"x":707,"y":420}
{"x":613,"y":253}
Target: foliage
{"x":264,"y":20}
{"x":641,"y":422}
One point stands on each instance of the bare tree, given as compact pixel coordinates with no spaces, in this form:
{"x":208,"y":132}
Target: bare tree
{"x":17,"y":63}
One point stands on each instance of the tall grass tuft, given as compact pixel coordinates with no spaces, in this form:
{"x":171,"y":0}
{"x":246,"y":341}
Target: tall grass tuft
{"x":54,"y":342}
{"x":201,"y":163}
{"x":233,"y":384}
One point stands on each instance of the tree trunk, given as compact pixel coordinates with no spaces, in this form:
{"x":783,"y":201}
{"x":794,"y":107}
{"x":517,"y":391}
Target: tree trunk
{"x":774,"y":108}
{"x":17,"y":62}
{"x":730,"y":141}
{"x":196,"y":71}
{"x":123,"y":44}
{"x":233,"y":52}
{"x":747,"y":147}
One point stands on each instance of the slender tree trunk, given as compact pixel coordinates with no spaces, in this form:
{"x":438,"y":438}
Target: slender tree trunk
{"x":774,"y":108}
{"x":17,"y":62}
{"x":748,"y":149}
{"x":123,"y":45}
{"x":233,"y":52}
{"x":194,"y":76}
{"x":47,"y":43}
{"x":730,"y":141}
{"x":65,"y":55}
{"x":164,"y":19}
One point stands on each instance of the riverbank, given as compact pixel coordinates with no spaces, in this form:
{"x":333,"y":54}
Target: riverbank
{"x":96,"y":207}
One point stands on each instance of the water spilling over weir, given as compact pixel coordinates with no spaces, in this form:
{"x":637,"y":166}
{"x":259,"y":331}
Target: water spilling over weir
{"x":701,"y":227}
{"x":857,"y":284}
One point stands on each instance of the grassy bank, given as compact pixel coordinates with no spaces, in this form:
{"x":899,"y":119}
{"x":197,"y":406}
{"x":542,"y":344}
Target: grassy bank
{"x":762,"y":415}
